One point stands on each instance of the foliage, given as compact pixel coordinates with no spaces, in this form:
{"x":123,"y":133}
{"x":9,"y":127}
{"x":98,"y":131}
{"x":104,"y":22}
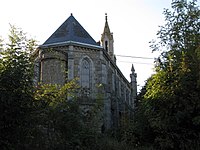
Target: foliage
{"x":137,"y":133}
{"x":58,"y":120}
{"x":172,"y":100}
{"x":168,"y":107}
{"x":15,"y":89}
{"x":54,"y":94}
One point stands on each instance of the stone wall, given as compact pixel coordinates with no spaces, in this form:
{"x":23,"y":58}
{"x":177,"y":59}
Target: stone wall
{"x":53,"y":67}
{"x":95,"y":71}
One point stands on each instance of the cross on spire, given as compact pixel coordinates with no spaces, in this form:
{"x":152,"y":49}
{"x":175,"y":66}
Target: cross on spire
{"x":106,"y":17}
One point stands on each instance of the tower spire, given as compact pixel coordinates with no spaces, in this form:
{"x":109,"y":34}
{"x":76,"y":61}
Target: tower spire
{"x":107,"y":39}
{"x":133,"y":83}
{"x":106,"y":27}
{"x":132,"y":69}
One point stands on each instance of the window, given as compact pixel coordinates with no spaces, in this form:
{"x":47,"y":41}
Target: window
{"x":106,"y":45}
{"x":85,"y":73}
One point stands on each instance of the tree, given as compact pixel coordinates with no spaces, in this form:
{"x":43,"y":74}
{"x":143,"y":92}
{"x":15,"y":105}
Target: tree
{"x":15,"y":89}
{"x":168,"y":108}
{"x":172,"y":98}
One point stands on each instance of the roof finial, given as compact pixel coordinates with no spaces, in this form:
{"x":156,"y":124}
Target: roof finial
{"x":106,"y":17}
{"x":132,"y":68}
{"x":71,"y":14}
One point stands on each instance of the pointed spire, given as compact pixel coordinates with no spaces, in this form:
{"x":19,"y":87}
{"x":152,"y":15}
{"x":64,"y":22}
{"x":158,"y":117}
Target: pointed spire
{"x":106,"y":28}
{"x":133,"y":84}
{"x":107,"y":39}
{"x":132,"y":69}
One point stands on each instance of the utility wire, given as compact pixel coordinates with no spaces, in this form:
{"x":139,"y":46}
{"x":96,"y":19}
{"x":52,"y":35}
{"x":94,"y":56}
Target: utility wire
{"x":135,"y":57}
{"x":88,"y":51}
{"x":136,"y":62}
{"x":85,"y":52}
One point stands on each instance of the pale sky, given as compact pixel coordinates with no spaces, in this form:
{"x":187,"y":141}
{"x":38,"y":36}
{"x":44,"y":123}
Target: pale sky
{"x":133,"y":22}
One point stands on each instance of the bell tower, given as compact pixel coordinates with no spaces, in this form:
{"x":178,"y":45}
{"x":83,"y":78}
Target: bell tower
{"x":107,"y":40}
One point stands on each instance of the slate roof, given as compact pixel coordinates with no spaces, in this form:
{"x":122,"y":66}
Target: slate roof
{"x":70,"y":31}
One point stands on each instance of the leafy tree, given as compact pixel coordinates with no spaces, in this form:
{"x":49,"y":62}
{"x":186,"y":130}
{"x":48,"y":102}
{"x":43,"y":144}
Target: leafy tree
{"x":172,"y":98}
{"x":168,"y":108}
{"x":15,"y":89}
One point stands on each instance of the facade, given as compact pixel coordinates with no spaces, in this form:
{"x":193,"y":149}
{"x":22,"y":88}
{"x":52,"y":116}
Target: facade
{"x":70,"y":52}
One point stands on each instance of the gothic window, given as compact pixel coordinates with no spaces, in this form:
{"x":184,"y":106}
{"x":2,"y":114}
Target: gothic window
{"x":122,"y":90}
{"x":85,"y":73}
{"x":106,"y":45}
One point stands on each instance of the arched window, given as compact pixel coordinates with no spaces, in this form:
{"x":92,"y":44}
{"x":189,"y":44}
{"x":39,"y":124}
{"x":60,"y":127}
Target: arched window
{"x":106,"y":46}
{"x":85,"y":73}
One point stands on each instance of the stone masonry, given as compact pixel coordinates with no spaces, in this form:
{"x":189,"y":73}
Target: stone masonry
{"x":70,"y":52}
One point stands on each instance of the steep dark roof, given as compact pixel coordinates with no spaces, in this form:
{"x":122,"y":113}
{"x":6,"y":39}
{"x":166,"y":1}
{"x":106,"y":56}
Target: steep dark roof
{"x":70,"y":30}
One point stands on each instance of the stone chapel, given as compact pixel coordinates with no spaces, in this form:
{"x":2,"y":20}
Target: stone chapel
{"x":70,"y":52}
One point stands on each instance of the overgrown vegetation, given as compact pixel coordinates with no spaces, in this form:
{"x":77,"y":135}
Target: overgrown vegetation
{"x":15,"y":89}
{"x":168,"y":111}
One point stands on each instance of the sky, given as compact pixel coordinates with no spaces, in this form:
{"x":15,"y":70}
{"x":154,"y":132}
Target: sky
{"x":134,"y":24}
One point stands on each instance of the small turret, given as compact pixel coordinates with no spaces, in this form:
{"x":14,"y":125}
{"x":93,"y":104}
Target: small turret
{"x":107,"y":39}
{"x":133,"y":77}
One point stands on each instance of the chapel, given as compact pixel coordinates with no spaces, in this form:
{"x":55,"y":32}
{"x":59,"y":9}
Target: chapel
{"x":71,"y":53}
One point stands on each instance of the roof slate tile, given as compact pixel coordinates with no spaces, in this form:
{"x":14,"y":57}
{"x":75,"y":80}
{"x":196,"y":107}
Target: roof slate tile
{"x":70,"y":30}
